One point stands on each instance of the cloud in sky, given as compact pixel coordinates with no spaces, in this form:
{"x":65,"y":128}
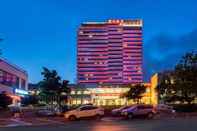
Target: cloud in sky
{"x":164,"y":51}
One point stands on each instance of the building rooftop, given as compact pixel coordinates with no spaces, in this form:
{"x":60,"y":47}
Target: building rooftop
{"x":13,"y":65}
{"x":123,"y":22}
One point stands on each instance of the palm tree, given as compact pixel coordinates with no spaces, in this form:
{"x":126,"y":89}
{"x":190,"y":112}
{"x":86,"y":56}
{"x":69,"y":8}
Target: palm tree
{"x":52,"y":87}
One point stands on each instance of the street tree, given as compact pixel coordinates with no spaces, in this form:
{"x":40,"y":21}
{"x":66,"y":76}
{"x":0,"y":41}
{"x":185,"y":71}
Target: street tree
{"x":186,"y":77}
{"x":181,"y":84}
{"x":135,"y":92}
{"x":52,"y":87}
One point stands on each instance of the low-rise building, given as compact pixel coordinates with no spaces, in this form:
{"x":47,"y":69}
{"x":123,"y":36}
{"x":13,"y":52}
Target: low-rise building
{"x":13,"y":79}
{"x":110,"y":95}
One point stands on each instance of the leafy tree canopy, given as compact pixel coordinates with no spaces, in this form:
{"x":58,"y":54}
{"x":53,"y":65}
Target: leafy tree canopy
{"x":136,"y":92}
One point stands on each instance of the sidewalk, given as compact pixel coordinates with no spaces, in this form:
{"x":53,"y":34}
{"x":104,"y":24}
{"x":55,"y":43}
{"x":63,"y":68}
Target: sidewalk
{"x":14,"y":122}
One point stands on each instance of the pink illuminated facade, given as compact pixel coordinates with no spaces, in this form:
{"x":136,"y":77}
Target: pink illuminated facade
{"x":110,"y":52}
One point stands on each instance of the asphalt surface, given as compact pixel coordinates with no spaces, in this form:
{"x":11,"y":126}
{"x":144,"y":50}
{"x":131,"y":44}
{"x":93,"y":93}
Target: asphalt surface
{"x":178,"y":124}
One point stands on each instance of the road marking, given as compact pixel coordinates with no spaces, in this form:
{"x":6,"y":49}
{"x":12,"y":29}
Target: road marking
{"x":16,"y":122}
{"x":20,"y":122}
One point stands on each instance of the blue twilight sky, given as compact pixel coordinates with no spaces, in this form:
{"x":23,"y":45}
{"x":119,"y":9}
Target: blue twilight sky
{"x":41,"y":33}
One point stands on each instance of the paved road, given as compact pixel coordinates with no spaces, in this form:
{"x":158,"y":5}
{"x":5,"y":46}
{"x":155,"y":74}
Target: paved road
{"x":178,"y":124}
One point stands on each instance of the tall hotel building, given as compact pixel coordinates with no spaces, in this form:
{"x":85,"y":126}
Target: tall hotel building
{"x":110,"y":52}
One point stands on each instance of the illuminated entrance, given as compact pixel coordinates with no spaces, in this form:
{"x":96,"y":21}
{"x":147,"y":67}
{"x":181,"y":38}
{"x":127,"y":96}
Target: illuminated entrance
{"x":106,"y":95}
{"x":108,"y":100}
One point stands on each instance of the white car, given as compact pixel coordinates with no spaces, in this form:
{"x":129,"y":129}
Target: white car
{"x":84,"y":111}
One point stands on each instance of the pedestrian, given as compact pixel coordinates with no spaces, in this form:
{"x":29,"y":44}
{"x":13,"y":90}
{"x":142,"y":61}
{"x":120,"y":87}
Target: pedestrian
{"x":16,"y":110}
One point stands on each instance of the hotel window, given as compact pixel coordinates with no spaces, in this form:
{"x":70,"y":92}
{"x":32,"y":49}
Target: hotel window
{"x":86,"y":59}
{"x":119,"y":30}
{"x":100,"y":82}
{"x":80,"y":32}
{"x":124,"y":45}
{"x":90,"y":36}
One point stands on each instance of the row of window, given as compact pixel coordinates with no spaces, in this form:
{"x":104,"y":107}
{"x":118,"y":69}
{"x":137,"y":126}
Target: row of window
{"x":111,"y":38}
{"x":132,"y":40}
{"x":93,"y":43}
{"x":93,"y":31}
{"x":136,"y":63}
{"x":83,"y":78}
{"x":8,"y":79}
{"x":110,"y":74}
{"x":91,"y":67}
{"x":11,"y":80}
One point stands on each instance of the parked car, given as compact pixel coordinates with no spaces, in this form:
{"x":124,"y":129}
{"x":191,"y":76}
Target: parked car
{"x":46,"y":112}
{"x":117,"y":111}
{"x":139,"y":110}
{"x":84,"y":111}
{"x":162,"y":108}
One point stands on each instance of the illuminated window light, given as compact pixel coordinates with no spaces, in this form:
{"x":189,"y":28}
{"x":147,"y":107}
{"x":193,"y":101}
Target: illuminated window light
{"x":90,"y":36}
{"x":79,"y":92}
{"x":148,"y":90}
{"x":124,"y":45}
{"x":78,"y":102}
{"x":86,"y":92}
{"x":72,"y":92}
{"x":86,"y":59}
{"x":119,"y":30}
